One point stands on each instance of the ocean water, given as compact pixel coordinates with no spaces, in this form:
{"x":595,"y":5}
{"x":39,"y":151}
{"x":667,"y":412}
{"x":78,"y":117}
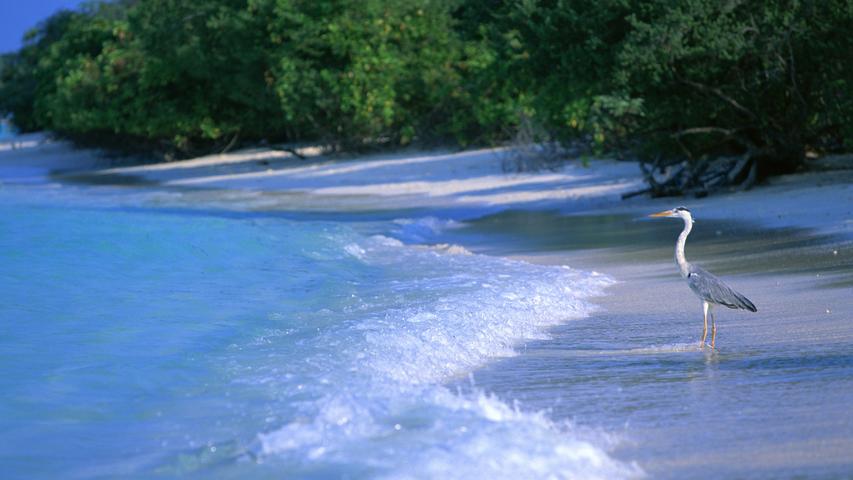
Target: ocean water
{"x":145,"y":342}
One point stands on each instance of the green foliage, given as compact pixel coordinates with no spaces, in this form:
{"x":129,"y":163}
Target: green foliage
{"x":161,"y":70}
{"x":685,"y":79}
{"x":355,"y":71}
{"x":551,"y":59}
{"x":772,"y":78}
{"x":28,"y":75}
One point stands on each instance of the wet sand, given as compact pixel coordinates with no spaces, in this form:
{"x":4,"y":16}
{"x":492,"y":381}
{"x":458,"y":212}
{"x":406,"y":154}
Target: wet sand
{"x":726,"y":246}
{"x":772,"y":401}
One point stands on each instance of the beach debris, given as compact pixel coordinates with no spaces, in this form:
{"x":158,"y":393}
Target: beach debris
{"x":668,"y":177}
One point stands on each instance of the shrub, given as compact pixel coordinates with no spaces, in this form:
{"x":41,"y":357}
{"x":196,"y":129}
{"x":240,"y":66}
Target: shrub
{"x":763,"y":80}
{"x":737,"y":89}
{"x":355,"y":72}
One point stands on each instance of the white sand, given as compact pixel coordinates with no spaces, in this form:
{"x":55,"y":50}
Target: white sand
{"x":392,"y":181}
{"x":473,"y":180}
{"x":820,"y":200}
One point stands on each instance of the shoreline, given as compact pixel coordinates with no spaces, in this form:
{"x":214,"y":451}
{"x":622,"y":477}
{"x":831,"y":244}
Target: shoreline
{"x":650,"y":322}
{"x":792,"y":250}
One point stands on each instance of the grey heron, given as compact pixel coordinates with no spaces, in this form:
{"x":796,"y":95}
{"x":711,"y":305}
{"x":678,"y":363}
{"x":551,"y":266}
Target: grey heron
{"x":706,"y":286}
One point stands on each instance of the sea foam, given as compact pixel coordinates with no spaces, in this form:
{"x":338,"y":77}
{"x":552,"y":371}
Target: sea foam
{"x":437,"y":316}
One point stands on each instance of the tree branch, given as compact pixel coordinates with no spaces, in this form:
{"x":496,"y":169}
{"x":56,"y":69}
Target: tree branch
{"x":719,"y":93}
{"x":793,"y":69}
{"x":698,"y":130}
{"x":231,"y":143}
{"x":289,"y":150}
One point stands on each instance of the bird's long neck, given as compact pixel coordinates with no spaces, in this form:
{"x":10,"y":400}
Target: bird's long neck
{"x":679,"y":247}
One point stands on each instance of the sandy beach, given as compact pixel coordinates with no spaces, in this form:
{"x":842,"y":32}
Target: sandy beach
{"x":772,"y":401}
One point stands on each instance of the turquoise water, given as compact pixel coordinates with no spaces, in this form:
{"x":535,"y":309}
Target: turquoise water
{"x":145,"y":342}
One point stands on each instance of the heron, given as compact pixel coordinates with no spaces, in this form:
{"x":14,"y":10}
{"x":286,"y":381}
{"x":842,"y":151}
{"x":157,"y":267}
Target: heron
{"x":710,"y":289}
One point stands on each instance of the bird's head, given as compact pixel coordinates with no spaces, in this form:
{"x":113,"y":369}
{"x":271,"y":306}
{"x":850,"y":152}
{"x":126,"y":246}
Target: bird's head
{"x":677,"y":212}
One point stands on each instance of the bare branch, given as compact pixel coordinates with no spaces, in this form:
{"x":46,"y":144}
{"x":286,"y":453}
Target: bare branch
{"x":231,"y":143}
{"x":289,"y":150}
{"x":683,"y":147}
{"x":751,"y":177}
{"x":698,"y":130}
{"x":793,"y":69}
{"x":719,"y":93}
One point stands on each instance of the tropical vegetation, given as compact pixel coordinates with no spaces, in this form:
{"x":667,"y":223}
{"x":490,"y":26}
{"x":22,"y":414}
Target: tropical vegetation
{"x":714,"y":93}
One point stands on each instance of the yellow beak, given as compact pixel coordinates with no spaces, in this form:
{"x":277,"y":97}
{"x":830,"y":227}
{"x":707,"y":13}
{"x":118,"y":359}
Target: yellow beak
{"x":664,"y":213}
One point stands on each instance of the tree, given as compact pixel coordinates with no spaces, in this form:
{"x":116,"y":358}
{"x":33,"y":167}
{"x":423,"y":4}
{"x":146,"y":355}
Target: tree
{"x":354,"y":72}
{"x":717,"y":93}
{"x":27,"y":74}
{"x":750,"y":86}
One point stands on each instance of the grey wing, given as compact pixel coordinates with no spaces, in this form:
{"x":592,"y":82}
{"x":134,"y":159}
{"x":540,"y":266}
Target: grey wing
{"x":712,"y":289}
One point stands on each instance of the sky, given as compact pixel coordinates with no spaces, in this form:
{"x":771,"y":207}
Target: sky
{"x":18,"y":16}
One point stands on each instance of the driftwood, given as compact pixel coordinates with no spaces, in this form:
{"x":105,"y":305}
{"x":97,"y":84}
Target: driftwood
{"x":704,"y":175}
{"x":699,"y":178}
{"x":289,"y":150}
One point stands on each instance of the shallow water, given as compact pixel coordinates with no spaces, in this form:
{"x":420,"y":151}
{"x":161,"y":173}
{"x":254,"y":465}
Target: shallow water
{"x":752,"y":408}
{"x":162,"y":342}
{"x":724,"y":245}
{"x":772,"y":401}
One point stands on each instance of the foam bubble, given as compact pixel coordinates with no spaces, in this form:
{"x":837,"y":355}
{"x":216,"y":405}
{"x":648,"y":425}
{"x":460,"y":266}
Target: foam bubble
{"x":512,"y":444}
{"x":354,"y":250}
{"x":437,"y":318}
{"x":450,"y":248}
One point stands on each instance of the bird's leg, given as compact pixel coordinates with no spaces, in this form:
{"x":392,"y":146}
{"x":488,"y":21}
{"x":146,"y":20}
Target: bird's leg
{"x":705,"y":307}
{"x":713,"y":327}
